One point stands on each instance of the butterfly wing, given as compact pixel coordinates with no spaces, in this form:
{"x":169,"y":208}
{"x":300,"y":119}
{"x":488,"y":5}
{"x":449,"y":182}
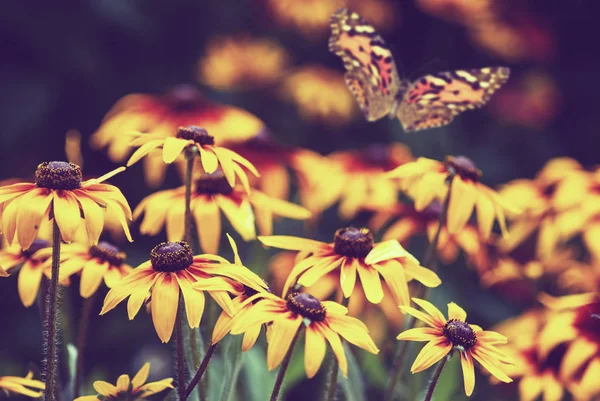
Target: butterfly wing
{"x":434,"y":100}
{"x":371,"y":72}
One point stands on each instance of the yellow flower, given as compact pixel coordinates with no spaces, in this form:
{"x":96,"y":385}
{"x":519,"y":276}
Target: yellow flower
{"x":354,"y":178}
{"x":426,"y":179}
{"x":445,"y":336}
{"x":211,"y":194}
{"x":183,"y":105}
{"x":353,"y":252}
{"x":128,"y":389}
{"x":411,"y":222}
{"x":96,"y":263}
{"x":238,"y":63}
{"x":32,"y":267}
{"x":198,"y":139}
{"x":21,"y":385}
{"x":323,"y":321}
{"x":59,"y":193}
{"x":173,"y":269}
{"x":320,"y":95}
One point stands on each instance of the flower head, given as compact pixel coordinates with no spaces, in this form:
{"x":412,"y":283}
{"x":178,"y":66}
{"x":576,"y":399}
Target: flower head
{"x":353,"y":252}
{"x":444,"y":336}
{"x":96,"y":263}
{"x":194,"y":139}
{"x":134,"y":389}
{"x":173,"y":269}
{"x":211,"y":195}
{"x":183,"y":105}
{"x":323,"y":321}
{"x":426,"y":179}
{"x":59,"y":193}
{"x":21,"y":385}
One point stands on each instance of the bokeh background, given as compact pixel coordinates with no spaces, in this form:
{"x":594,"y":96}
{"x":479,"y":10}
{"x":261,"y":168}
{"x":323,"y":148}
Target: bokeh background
{"x":63,"y":66}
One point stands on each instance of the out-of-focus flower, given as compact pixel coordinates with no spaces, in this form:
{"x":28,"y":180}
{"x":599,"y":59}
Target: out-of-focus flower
{"x":410,"y":222}
{"x":575,"y":326}
{"x":426,"y":180}
{"x":95,"y":264}
{"x":444,"y":336}
{"x":59,"y":192}
{"x":353,"y":252}
{"x":183,"y":105}
{"x":580,"y":278}
{"x":240,"y":62}
{"x":21,"y":385}
{"x":212,"y":194}
{"x":355,"y":178}
{"x":311,"y":17}
{"x":134,"y":389}
{"x":32,"y":267}
{"x":320,"y":95}
{"x":173,"y":269}
{"x":198,"y":140}
{"x":325,"y":320}
{"x":537,"y":375}
{"x":533,"y":101}
{"x":465,"y":12}
{"x":73,"y":147}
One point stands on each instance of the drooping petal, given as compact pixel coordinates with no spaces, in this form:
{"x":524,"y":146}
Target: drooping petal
{"x":386,"y":250}
{"x":209,"y":160}
{"x":292,"y":243}
{"x":393,"y":274}
{"x":33,"y":206}
{"x":175,"y":220}
{"x":336,"y":345}
{"x":172,"y":147}
{"x":485,"y":215}
{"x":239,"y":214}
{"x":165,"y":302}
{"x":143,"y":151}
{"x":94,"y":218}
{"x":91,"y":277}
{"x":250,"y":337}
{"x":28,"y":283}
{"x":353,"y":331}
{"x":462,"y":202}
{"x":425,"y":276}
{"x":194,"y":299}
{"x":579,"y":352}
{"x":348,"y":276}
{"x":468,"y":369}
{"x":314,"y":351}
{"x":222,"y":327}
{"x":371,"y":282}
{"x":139,"y":294}
{"x":530,"y":387}
{"x":431,"y":353}
{"x":490,"y":366}
{"x":67,"y":214}
{"x":9,"y":220}
{"x":208,"y":223}
{"x":282,"y":334}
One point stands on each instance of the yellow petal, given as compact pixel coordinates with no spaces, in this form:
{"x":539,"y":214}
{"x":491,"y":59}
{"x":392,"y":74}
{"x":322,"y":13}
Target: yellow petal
{"x":33,"y":206}
{"x":105,"y":388}
{"x":431,"y":353}
{"x":282,"y":334}
{"x":468,"y":372}
{"x":354,"y":331}
{"x":194,"y":300}
{"x":208,"y":223}
{"x":393,"y":274}
{"x":165,"y":301}
{"x":433,"y":311}
{"x":419,"y":334}
{"x":94,"y":218}
{"x":422,"y":274}
{"x":209,"y":160}
{"x":239,"y":214}
{"x":28,"y":283}
{"x":123,"y":383}
{"x":337,"y":347}
{"x":91,"y":277}
{"x":292,"y":243}
{"x":462,"y":202}
{"x":143,"y":151}
{"x":348,"y":275}
{"x":250,"y":337}
{"x":314,"y":351}
{"x":172,"y":148}
{"x":456,"y":312}
{"x":140,"y":377}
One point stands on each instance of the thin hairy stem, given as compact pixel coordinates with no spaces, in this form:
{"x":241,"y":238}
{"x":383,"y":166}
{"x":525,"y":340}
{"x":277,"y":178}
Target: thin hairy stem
{"x":189,"y":168}
{"x":283,"y":368}
{"x":84,"y":321}
{"x":331,"y":383}
{"x":196,"y":379}
{"x":179,"y":353}
{"x":436,"y":377}
{"x":51,"y":321}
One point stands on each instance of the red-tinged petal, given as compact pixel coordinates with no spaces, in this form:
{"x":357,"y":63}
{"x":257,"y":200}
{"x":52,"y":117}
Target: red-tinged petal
{"x":468,"y":369}
{"x":462,"y":202}
{"x":33,"y":206}
{"x":314,"y":351}
{"x":172,"y":148}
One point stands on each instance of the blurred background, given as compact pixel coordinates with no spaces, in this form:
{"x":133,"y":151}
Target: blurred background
{"x":63,"y":67}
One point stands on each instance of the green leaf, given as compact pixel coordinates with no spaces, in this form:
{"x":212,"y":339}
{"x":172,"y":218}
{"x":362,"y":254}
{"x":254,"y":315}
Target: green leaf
{"x":354,"y":386}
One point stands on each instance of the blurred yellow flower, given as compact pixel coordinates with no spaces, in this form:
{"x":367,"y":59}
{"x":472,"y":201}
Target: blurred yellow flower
{"x":354,"y":178}
{"x":26,"y":386}
{"x":239,"y":62}
{"x":134,"y":389}
{"x":320,"y":95}
{"x":183,"y":105}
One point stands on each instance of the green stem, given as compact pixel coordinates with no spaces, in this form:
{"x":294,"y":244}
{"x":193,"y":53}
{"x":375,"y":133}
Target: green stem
{"x":436,"y":377}
{"x":51,"y":320}
{"x":84,"y":321}
{"x":196,"y":379}
{"x":331,"y":384}
{"x":283,"y":368}
{"x":179,"y":354}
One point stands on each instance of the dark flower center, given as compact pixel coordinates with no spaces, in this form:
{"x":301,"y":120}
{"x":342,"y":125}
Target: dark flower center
{"x":307,"y":306}
{"x":171,"y":256}
{"x":196,"y":134}
{"x":587,"y":320}
{"x":58,"y":175}
{"x":464,"y":167}
{"x":214,"y":183}
{"x":353,"y":242}
{"x":35,"y":246}
{"x":184,"y":98}
{"x":460,"y":334}
{"x":108,"y":253}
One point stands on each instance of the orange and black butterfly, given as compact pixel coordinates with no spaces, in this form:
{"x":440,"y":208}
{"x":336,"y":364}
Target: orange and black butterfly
{"x":430,"y":101}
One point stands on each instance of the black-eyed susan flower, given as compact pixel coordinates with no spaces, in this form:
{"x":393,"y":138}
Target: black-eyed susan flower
{"x":102,"y":262}
{"x":10,"y":385}
{"x":353,"y":252}
{"x":323,"y":321}
{"x":183,"y":105}
{"x":320,"y":95}
{"x":443,"y":336}
{"x":425,"y":180}
{"x":134,"y":389}
{"x":354,"y":178}
{"x":211,"y":195}
{"x":59,"y":193}
{"x":198,"y":140}
{"x":171,"y":270}
{"x":241,"y":62}
{"x":32,"y":267}
{"x":410,"y":222}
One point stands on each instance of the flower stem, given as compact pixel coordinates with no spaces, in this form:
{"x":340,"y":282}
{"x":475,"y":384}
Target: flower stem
{"x":436,"y":377}
{"x":189,"y":168}
{"x":84,"y":321}
{"x":430,"y":261}
{"x":179,"y":354}
{"x":283,"y":368}
{"x":196,"y":379}
{"x":331,"y":384}
{"x":51,"y":320}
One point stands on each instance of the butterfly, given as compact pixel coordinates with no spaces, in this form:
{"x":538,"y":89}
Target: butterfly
{"x":430,"y":101}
